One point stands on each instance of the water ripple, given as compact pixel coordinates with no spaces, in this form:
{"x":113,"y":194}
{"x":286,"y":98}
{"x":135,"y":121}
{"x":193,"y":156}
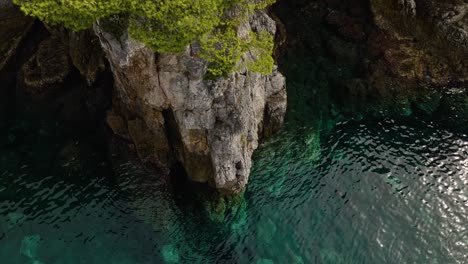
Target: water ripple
{"x":388,"y":191}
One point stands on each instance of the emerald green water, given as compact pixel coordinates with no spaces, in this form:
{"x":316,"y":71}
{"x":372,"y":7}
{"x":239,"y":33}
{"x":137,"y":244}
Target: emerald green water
{"x":371,"y":191}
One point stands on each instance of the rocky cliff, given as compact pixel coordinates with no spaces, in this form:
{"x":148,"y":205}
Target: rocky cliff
{"x":422,"y":40}
{"x":377,"y":57}
{"x":353,"y":57}
{"x":163,"y":106}
{"x":167,"y":108}
{"x":50,"y":72}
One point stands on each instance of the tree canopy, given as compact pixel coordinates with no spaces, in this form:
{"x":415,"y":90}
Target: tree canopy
{"x":168,"y":26}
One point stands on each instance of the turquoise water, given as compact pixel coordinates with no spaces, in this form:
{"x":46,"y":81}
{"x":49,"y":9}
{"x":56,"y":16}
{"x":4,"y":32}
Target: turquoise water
{"x":371,"y":191}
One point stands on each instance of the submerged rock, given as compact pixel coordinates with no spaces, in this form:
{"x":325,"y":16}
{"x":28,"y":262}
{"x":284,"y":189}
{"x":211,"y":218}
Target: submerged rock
{"x":167,"y":108}
{"x":220,"y":208}
{"x":170,"y":254}
{"x":15,"y":219}
{"x":30,"y":246}
{"x":264,"y":261}
{"x":329,"y":255}
{"x":266,"y":231}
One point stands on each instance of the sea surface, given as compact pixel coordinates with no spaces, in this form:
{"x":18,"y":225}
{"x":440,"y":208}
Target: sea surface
{"x":370,"y":191}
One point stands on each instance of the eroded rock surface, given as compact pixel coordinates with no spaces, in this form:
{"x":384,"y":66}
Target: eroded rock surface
{"x":429,"y":43}
{"x":421,"y":54}
{"x":45,"y":72}
{"x":164,"y":105}
{"x":375,"y":57}
{"x":50,"y":72}
{"x":84,"y":50}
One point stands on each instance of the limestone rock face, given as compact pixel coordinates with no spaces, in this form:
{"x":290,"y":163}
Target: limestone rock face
{"x":164,"y":105}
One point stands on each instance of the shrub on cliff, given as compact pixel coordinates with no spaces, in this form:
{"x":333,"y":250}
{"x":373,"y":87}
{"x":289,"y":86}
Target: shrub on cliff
{"x":223,"y":49}
{"x":169,"y":26}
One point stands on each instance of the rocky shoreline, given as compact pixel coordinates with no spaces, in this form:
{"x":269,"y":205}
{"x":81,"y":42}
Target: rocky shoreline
{"x":389,"y":58}
{"x":376,"y":58}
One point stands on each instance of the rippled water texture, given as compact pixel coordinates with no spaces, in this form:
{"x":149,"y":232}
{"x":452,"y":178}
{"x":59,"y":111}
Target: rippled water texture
{"x":389,"y":191}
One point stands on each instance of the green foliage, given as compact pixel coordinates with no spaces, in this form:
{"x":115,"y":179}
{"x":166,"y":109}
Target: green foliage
{"x":242,"y":9}
{"x":222,"y":50}
{"x":115,"y":24}
{"x":261,"y":48}
{"x":74,"y":14}
{"x":168,"y":26}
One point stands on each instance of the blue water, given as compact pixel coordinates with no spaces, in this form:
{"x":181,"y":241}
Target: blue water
{"x":370,"y":191}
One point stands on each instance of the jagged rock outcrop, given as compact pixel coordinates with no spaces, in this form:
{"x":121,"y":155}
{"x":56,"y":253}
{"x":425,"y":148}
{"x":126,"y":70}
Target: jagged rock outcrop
{"x":166,"y":107}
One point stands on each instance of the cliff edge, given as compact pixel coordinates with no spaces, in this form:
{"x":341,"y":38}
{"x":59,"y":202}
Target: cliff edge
{"x":167,"y":107}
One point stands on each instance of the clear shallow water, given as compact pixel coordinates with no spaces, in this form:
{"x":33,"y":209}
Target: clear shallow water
{"x":388,"y":191}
